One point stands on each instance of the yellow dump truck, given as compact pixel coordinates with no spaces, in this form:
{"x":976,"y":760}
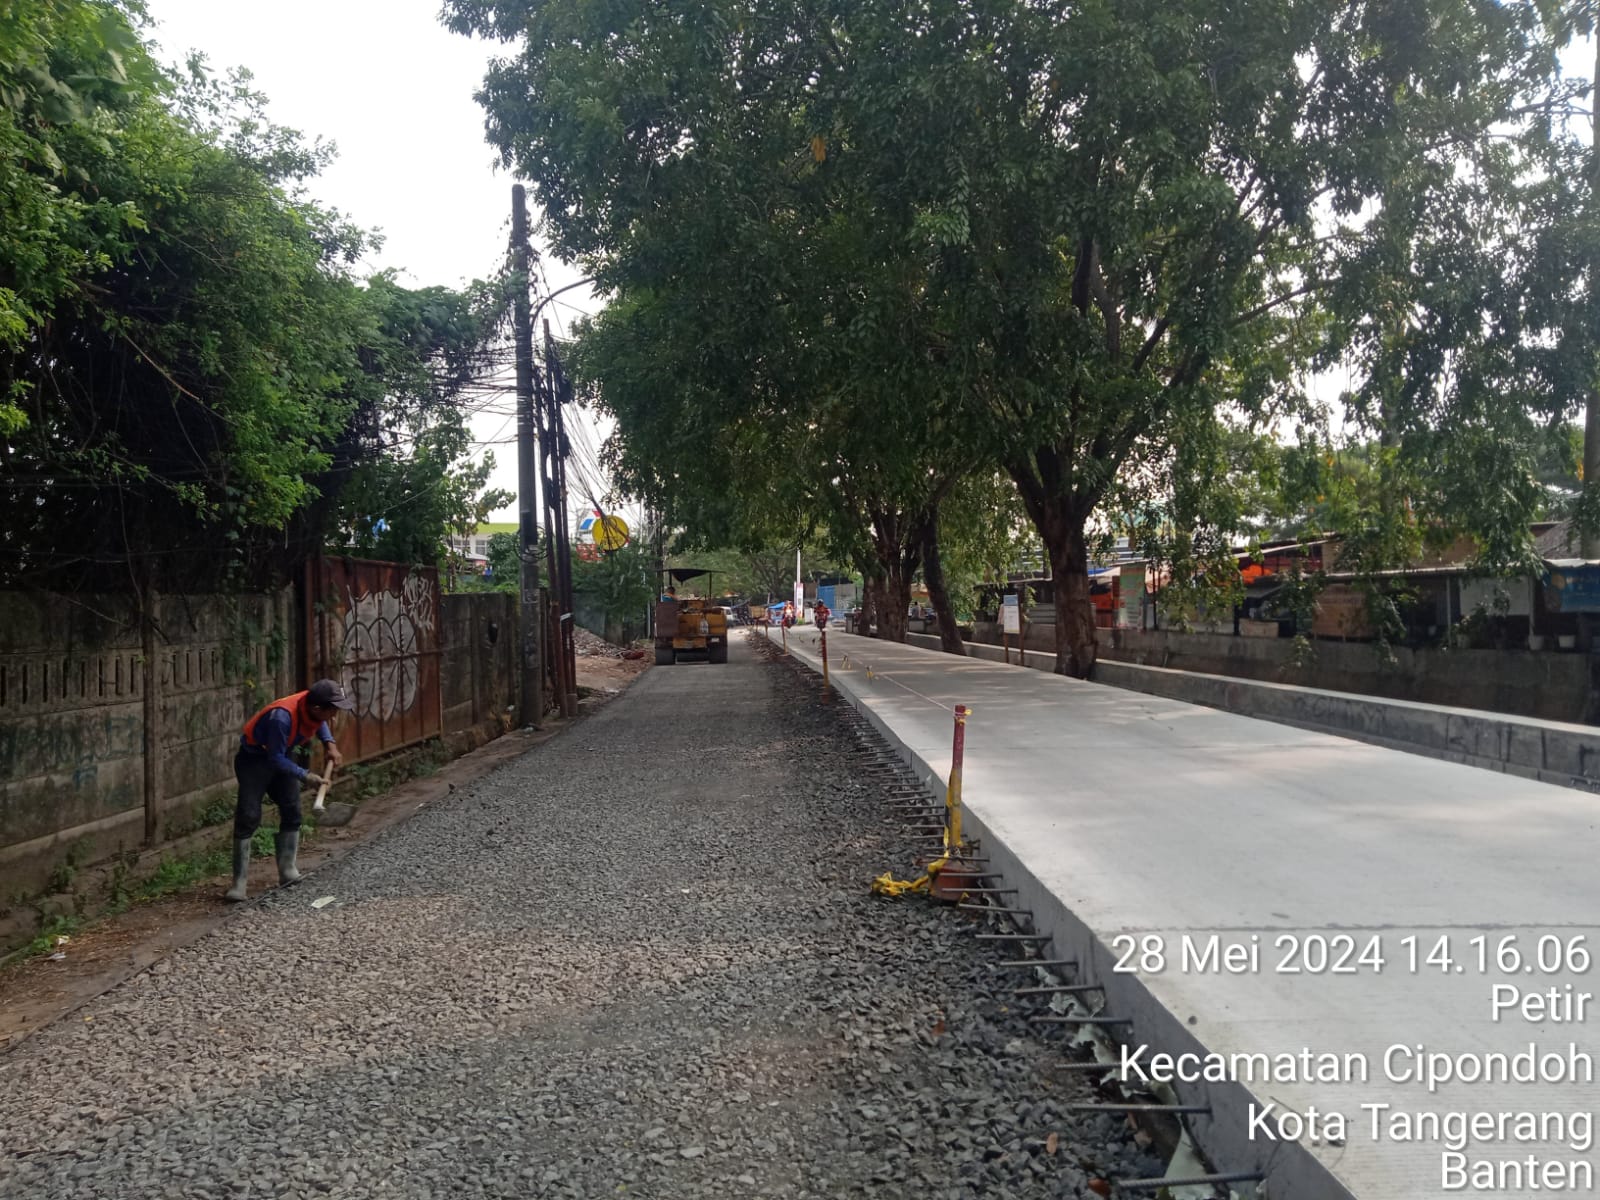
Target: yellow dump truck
{"x":689,"y":627}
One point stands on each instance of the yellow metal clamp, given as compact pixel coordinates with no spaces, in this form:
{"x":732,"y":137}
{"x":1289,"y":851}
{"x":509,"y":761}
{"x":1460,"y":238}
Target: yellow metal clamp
{"x":887,"y":885}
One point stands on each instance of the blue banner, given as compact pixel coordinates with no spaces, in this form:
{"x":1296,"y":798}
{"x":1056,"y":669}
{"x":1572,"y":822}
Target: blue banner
{"x":1573,"y":590}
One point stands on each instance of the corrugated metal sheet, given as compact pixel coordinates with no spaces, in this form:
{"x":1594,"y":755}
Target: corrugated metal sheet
{"x":375,"y":627}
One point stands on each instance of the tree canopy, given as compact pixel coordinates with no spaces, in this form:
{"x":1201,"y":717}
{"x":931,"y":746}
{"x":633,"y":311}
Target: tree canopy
{"x":190,"y":372}
{"x":1084,"y":243}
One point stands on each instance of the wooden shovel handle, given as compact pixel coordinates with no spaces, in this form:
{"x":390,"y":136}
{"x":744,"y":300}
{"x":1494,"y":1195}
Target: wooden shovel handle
{"x":322,"y":789}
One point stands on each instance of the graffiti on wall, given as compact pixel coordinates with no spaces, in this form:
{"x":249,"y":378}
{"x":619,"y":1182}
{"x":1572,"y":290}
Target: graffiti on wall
{"x":375,"y":626}
{"x":383,"y":635}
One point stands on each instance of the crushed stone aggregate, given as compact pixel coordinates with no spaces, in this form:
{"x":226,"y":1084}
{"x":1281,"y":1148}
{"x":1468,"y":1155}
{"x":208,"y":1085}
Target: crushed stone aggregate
{"x":641,"y":960}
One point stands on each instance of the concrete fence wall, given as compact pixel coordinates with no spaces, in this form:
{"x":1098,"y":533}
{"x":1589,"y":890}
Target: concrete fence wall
{"x":1552,"y":685}
{"x":1551,"y":751}
{"x":1548,"y":684}
{"x":118,"y":734}
{"x":478,"y":676}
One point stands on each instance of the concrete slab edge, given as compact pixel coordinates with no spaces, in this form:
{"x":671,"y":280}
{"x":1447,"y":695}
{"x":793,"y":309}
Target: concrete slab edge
{"x":1548,"y":751}
{"x":1288,"y":1169}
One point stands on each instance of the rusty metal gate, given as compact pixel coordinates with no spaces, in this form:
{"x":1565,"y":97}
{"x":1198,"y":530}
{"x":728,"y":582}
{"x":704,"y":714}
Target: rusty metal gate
{"x":375,"y":627}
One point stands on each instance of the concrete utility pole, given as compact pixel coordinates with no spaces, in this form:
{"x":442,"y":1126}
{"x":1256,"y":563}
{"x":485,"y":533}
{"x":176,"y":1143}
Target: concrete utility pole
{"x":558,"y":394}
{"x":531,"y":705}
{"x":550,"y":485}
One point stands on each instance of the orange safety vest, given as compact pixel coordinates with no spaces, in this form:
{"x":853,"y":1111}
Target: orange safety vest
{"x":301,"y":732}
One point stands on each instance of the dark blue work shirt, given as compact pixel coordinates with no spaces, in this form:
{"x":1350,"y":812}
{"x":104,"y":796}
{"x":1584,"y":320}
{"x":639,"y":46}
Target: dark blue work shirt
{"x":273,"y":729}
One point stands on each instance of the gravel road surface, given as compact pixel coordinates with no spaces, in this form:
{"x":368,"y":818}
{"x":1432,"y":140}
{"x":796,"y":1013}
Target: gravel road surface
{"x":641,"y":960}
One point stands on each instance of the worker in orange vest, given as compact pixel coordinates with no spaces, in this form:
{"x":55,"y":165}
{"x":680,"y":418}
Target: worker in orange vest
{"x":264,"y":769}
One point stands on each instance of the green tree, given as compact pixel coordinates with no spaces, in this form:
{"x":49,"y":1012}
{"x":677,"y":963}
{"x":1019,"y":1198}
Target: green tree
{"x":405,"y":506}
{"x":751,"y":445}
{"x":983,"y":532}
{"x":621,"y":583}
{"x":189,"y":373}
{"x":72,"y":75}
{"x":1080,"y":240}
{"x":505,"y":562}
{"x":199,"y":372}
{"x":1573,"y":245}
{"x":418,"y":477}
{"x":755,"y":365}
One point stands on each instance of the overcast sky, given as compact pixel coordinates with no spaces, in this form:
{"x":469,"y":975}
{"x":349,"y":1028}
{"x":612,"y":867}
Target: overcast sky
{"x":393,"y":88}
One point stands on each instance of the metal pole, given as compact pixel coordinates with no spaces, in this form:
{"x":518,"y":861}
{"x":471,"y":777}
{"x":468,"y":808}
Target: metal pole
{"x":531,"y":705}
{"x":952,"y":795}
{"x":825,"y":684}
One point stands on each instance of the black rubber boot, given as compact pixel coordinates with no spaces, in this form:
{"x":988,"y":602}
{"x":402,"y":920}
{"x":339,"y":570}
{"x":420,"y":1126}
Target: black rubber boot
{"x":241,"y":871}
{"x":287,"y":845}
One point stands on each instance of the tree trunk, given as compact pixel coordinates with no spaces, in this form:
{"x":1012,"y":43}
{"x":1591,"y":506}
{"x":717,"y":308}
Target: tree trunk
{"x":895,"y":549}
{"x":1076,"y":645}
{"x":1589,"y":545}
{"x":894,"y":598}
{"x":933,"y":574}
{"x":869,"y":603}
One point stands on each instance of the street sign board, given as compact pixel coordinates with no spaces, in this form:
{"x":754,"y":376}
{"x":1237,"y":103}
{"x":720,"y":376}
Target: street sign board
{"x":611,"y":533}
{"x":1130,"y":612}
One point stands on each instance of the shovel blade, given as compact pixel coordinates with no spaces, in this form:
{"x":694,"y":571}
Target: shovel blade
{"x":336,"y":813}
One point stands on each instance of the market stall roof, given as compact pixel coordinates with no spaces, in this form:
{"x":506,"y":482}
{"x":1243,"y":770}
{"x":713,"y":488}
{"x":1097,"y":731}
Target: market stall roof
{"x":1560,"y":546}
{"x":1269,"y":548}
{"x":684,"y":574}
{"x":1557,"y":541}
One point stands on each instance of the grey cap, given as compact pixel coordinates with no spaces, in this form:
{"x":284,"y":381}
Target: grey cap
{"x":329,"y":694}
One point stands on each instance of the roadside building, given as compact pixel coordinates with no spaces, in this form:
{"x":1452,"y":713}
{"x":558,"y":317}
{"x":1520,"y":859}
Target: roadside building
{"x":473,"y":548}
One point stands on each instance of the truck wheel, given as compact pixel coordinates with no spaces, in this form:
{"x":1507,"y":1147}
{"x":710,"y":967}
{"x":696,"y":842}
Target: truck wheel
{"x":664,"y":656}
{"x":718,"y":653}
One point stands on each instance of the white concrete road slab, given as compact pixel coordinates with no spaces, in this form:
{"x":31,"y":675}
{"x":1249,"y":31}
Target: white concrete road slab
{"x":1127,"y":816}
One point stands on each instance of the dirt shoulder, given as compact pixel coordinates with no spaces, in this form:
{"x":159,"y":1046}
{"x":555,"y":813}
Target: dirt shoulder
{"x":36,"y":991}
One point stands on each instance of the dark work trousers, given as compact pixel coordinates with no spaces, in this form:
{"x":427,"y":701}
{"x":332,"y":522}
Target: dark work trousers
{"x":257,"y":778}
